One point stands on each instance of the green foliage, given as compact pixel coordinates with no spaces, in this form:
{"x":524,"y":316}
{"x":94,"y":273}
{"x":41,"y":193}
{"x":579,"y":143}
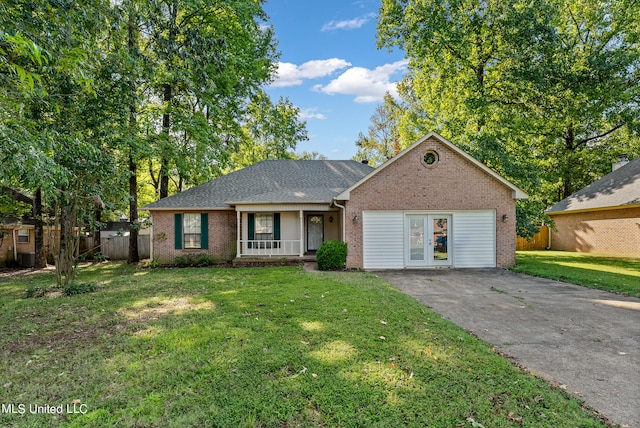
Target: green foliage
{"x":332,"y":255}
{"x":382,"y":141}
{"x":543,"y":92}
{"x":36,"y":290}
{"x":99,"y":257}
{"x":195,"y":260}
{"x":78,"y":288}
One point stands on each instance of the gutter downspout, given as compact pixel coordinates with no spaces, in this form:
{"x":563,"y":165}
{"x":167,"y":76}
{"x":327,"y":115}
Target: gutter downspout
{"x":150,"y":239}
{"x":344,"y":219}
{"x":548,"y":237}
{"x":15,"y":247}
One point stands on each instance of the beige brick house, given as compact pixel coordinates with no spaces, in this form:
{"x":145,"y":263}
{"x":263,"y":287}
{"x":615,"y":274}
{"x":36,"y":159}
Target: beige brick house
{"x":432,"y":205}
{"x":602,"y":218}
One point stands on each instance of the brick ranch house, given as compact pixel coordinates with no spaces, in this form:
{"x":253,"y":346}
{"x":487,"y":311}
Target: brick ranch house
{"x":604,"y":217}
{"x":432,"y":205}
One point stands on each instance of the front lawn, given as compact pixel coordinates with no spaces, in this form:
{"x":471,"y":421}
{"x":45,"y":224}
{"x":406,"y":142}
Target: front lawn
{"x":604,"y":273}
{"x":259,"y":347}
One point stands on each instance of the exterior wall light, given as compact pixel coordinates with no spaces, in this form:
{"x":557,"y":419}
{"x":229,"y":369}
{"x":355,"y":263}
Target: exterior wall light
{"x":356,"y":219}
{"x":504,"y":218}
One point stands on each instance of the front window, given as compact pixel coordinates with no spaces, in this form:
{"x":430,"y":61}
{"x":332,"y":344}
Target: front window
{"x":192,"y":231}
{"x":264,"y":226}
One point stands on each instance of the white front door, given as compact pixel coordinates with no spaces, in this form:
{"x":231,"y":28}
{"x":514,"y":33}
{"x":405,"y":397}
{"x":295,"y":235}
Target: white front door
{"x":427,"y":240}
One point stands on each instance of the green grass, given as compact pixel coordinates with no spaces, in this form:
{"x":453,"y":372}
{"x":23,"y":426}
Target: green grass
{"x":255,"y":347}
{"x":605,"y":273}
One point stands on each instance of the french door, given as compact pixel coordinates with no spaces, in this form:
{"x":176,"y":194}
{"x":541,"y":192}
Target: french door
{"x":427,"y":240}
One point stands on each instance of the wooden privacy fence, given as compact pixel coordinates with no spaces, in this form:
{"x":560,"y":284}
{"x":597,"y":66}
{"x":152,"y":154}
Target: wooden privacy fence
{"x":540,"y":240}
{"x":117,"y":247}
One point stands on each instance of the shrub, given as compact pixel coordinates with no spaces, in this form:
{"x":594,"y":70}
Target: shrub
{"x":332,"y":255}
{"x":195,"y":260}
{"x":78,"y":288}
{"x":35,"y":291}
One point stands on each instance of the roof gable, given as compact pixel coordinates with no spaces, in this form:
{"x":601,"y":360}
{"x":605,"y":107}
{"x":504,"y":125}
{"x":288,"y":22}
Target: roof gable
{"x":517,"y":192}
{"x":620,"y":188}
{"x":270,"y":181}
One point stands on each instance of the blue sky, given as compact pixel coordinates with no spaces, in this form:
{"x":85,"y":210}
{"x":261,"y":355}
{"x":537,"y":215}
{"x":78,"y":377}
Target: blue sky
{"x":331,"y":68}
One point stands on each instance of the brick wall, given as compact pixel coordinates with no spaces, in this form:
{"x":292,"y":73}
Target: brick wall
{"x":611,"y":232}
{"x":222,"y":236}
{"x":453,"y":183}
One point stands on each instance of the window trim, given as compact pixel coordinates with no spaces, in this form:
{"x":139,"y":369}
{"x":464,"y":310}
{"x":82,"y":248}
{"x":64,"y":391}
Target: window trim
{"x":436,"y":158}
{"x":179,"y":229}
{"x":187,"y":231}
{"x":28,"y":236}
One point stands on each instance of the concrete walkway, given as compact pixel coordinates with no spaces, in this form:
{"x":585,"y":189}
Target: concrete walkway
{"x":584,"y":340}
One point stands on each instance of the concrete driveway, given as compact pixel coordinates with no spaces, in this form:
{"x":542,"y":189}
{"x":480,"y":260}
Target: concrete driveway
{"x":584,"y":340}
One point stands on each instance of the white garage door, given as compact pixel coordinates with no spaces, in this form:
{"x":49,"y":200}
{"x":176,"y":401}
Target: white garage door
{"x":472,"y":239}
{"x":383,"y":239}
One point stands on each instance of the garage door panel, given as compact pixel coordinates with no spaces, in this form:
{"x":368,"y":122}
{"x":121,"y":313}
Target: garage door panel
{"x":474,"y":239}
{"x":383,"y":239}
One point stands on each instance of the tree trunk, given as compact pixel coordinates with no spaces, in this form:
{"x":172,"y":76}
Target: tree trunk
{"x":133,"y":210}
{"x":133,"y":256}
{"x":567,"y":168}
{"x":65,"y":260}
{"x":41,"y":254}
{"x":166,"y":128}
{"x":97,"y":246}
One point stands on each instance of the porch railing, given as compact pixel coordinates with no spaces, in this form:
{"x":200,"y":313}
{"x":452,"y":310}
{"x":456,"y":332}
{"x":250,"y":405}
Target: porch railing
{"x":268,"y":248}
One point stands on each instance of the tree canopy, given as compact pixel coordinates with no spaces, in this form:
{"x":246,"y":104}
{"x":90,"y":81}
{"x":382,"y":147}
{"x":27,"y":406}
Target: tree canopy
{"x":112,"y":101}
{"x":545,"y":92}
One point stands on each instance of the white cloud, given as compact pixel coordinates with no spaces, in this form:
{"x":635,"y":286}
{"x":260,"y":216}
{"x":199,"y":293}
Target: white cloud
{"x":347,"y":24}
{"x":289,"y":74}
{"x":367,"y":85}
{"x":310,"y":113}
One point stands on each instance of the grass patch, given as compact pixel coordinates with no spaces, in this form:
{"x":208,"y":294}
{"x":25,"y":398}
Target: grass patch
{"x":604,"y":273}
{"x":256,"y":347}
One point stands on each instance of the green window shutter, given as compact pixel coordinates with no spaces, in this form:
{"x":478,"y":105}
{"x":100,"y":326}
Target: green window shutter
{"x":251,"y":228}
{"x":276,"y":226}
{"x":177,"y":229}
{"x":204,"y":231}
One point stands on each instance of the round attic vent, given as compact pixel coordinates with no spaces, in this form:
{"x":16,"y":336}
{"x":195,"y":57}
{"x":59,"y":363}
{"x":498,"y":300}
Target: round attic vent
{"x":430,"y":158}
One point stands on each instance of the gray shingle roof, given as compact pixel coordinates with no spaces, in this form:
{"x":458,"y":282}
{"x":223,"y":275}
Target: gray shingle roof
{"x":270,"y":181}
{"x":618,"y":188}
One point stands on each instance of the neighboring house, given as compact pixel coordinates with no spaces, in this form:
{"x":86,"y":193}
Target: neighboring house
{"x":17,"y":242}
{"x":432,"y":205}
{"x":604,"y":217}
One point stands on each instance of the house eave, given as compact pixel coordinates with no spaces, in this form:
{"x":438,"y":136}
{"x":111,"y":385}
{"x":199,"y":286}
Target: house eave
{"x":241,"y":203}
{"x":198,"y":209}
{"x":586,"y":210}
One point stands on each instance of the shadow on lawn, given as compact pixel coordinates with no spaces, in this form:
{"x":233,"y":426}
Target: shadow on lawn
{"x":594,"y":272}
{"x":212,"y":348}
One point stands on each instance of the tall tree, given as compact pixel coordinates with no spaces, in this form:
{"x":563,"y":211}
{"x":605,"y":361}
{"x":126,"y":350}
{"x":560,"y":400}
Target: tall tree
{"x":211,"y":57}
{"x":382,"y":141}
{"x":270,"y":131}
{"x":537,"y":90}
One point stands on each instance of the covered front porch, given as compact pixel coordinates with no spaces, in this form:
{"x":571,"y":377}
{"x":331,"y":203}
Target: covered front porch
{"x":279,"y":231}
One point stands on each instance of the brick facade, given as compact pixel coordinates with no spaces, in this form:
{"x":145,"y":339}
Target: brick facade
{"x":222,"y":236}
{"x":614,"y":232}
{"x":454,"y":183}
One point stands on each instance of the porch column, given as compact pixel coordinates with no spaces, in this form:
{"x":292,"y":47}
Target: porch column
{"x":301,"y":234}
{"x":238,"y":235}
